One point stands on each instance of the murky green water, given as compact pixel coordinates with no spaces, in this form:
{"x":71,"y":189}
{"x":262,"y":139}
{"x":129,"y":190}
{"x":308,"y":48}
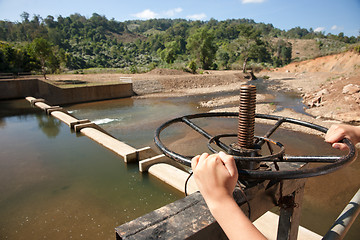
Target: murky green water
{"x":55,"y":184}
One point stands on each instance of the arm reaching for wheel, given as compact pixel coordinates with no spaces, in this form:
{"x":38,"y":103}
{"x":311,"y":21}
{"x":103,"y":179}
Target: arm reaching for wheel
{"x":341,"y":131}
{"x":216,"y":176}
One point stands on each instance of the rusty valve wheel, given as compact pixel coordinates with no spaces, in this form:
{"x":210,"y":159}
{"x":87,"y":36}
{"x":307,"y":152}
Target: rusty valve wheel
{"x":243,"y":156}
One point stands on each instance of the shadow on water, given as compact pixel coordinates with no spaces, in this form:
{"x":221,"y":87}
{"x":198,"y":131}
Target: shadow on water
{"x":48,"y":125}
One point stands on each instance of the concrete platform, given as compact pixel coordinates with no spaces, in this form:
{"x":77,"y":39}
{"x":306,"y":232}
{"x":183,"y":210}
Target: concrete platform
{"x":268,"y":224}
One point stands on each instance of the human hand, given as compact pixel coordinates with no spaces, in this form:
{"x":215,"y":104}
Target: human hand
{"x":340,"y":131}
{"x":215,"y":175}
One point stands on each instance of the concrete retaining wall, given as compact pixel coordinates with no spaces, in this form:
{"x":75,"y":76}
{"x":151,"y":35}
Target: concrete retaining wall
{"x":12,"y":89}
{"x":56,"y":95}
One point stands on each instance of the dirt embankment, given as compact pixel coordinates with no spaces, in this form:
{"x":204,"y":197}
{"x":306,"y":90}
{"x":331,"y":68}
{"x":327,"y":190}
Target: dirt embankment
{"x":330,"y":85}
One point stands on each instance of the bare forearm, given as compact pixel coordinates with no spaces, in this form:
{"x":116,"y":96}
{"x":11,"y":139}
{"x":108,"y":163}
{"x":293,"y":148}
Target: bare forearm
{"x":233,"y":221}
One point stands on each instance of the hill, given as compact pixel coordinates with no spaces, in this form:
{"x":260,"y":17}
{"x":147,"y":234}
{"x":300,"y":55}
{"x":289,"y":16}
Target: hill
{"x":77,"y":42}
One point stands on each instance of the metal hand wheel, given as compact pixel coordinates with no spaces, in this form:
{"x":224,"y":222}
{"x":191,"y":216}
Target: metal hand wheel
{"x":330,"y":163}
{"x":245,"y":151}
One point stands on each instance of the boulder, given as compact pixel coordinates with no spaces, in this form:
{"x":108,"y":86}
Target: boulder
{"x":351,"y":89}
{"x":322,"y":92}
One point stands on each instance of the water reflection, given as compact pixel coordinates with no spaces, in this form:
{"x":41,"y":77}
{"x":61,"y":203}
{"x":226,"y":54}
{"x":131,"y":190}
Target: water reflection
{"x":50,"y":126}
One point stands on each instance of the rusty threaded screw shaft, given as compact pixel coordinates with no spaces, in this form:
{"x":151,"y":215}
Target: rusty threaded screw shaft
{"x":246,"y":124}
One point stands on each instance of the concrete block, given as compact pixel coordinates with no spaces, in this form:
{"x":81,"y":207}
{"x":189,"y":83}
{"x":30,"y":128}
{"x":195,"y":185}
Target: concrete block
{"x":65,"y":117}
{"x":41,"y":104}
{"x":80,"y":126}
{"x":37,"y":100}
{"x":29,"y":99}
{"x":128,"y":153}
{"x":145,"y":164}
{"x":130,"y":157}
{"x":173,"y":176}
{"x":54,"y":108}
{"x":77,"y":122}
{"x":145,"y":152}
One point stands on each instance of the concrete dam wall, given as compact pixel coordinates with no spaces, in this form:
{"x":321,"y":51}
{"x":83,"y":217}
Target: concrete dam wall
{"x":21,"y":88}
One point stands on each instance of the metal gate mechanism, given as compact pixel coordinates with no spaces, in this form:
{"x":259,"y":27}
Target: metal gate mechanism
{"x":251,"y":165}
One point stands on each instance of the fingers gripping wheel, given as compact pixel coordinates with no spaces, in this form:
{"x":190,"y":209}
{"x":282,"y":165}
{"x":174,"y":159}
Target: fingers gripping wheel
{"x":248,"y":157}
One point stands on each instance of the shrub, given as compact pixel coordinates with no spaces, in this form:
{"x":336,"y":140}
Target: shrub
{"x":357,"y":49}
{"x":192,"y":66}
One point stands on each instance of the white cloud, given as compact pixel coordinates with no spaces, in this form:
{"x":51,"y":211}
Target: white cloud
{"x":173,"y":12}
{"x":252,"y":1}
{"x":146,"y":14}
{"x":336,"y":27}
{"x":319,"y":29}
{"x":199,"y":16}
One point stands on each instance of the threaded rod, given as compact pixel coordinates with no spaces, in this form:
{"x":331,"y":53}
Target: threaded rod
{"x":246,"y":124}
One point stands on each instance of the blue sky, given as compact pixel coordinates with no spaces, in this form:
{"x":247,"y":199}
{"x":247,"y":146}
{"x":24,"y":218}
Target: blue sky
{"x":329,"y":16}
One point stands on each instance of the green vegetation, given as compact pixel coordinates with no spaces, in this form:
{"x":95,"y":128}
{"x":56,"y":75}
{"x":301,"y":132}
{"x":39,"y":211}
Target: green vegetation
{"x":357,"y":49}
{"x":74,"y":43}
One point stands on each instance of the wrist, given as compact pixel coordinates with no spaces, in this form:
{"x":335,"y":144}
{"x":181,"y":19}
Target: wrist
{"x":357,"y":134}
{"x":217,"y":204}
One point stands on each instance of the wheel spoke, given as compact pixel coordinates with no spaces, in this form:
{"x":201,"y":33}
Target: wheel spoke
{"x":271,"y":131}
{"x":196,"y":127}
{"x":222,"y":145}
{"x":270,"y":148}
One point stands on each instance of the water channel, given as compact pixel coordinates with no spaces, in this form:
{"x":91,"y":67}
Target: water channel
{"x":60,"y":185}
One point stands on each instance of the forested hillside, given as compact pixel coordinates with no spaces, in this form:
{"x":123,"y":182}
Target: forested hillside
{"x":54,"y":45}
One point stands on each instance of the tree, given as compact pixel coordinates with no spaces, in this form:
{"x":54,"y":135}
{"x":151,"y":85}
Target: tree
{"x":223,"y":58}
{"x":170,"y":52}
{"x":42,"y":51}
{"x":249,"y":46}
{"x":282,"y":53}
{"x":202,"y":46}
{"x":25,"y":17}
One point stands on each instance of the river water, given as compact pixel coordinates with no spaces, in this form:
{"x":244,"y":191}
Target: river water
{"x":60,"y":185}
